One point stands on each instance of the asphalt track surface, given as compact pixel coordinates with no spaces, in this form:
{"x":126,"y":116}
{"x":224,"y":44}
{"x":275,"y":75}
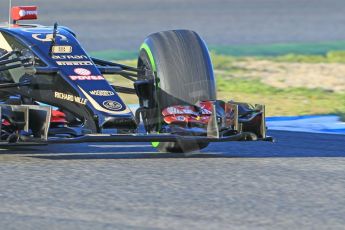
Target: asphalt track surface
{"x":123,"y":25}
{"x":296,"y":183}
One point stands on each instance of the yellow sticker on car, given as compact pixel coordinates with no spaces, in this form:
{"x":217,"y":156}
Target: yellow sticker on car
{"x":62,"y":49}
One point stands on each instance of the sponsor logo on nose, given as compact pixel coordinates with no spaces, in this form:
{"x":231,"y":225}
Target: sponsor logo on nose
{"x":112,"y":105}
{"x":82,"y":71}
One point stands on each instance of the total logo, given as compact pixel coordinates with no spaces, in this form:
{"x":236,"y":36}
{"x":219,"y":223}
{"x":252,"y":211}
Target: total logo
{"x":112,"y":105}
{"x":84,"y":74}
{"x":23,"y":13}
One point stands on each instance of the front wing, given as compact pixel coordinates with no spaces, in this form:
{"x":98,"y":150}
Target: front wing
{"x":37,"y":118}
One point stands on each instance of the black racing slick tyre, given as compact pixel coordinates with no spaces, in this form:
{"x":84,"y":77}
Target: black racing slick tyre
{"x":183,"y":75}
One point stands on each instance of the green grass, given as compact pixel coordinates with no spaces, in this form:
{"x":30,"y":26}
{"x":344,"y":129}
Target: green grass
{"x":329,"y":57}
{"x":289,"y":101}
{"x":244,"y":85}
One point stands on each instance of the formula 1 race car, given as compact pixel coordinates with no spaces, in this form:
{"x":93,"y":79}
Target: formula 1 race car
{"x":52,"y":91}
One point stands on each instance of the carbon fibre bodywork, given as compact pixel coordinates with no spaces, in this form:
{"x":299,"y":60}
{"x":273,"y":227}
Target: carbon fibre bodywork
{"x":70,"y":85}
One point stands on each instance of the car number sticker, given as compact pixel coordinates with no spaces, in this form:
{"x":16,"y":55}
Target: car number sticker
{"x":62,"y":49}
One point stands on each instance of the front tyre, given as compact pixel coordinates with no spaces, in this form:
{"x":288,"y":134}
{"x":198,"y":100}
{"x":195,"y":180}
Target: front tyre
{"x":182,"y":74}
